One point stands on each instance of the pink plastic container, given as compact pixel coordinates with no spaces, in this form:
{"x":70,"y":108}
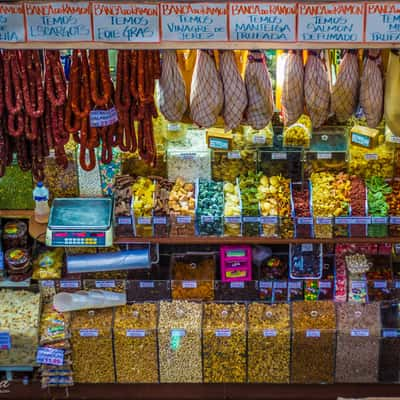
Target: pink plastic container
{"x":235,"y":263}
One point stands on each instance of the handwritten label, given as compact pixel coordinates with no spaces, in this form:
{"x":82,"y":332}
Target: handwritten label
{"x":279,"y":156}
{"x":324,"y":22}
{"x":194,"y":21}
{"x":324,"y":155}
{"x":135,"y":333}
{"x":123,"y":23}
{"x":160,"y":220}
{"x":12,"y":23}
{"x":237,"y":285}
{"x":269,"y":332}
{"x":218,"y":143}
{"x":89,"y":332}
{"x":270,"y":22}
{"x":313,"y":333}
{"x":5,"y":340}
{"x":70,"y":284}
{"x":50,"y":356}
{"x":223,"y":332}
{"x":101,"y":118}
{"x":383,"y":22}
{"x":105,"y":284}
{"x":189,"y":284}
{"x":58,"y":21}
{"x":360,"y":332}
{"x":146,"y":285}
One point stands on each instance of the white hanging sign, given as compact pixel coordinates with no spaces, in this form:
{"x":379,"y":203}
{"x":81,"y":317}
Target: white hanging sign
{"x":12,"y":28}
{"x":383,"y":22}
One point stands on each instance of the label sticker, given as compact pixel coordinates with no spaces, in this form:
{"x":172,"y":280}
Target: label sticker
{"x":371,"y":156}
{"x":49,"y":356}
{"x":5,"y":340}
{"x":237,"y":285}
{"x":124,"y":221}
{"x":324,"y":220}
{"x":135,"y":333}
{"x":206,"y":219}
{"x":89,"y":332}
{"x":382,"y":20}
{"x":269,"y":332}
{"x":184,"y":220}
{"x":12,"y":22}
{"x":232,"y":220}
{"x":324,"y":155}
{"x":304,"y":220}
{"x":105,"y":284}
{"x":218,"y":143}
{"x":186,"y":156}
{"x":380,"y":284}
{"x":269,"y":220}
{"x":102,"y":118}
{"x":360,"y":332}
{"x":223,"y":332}
{"x":146,"y":285}
{"x":391,"y":333}
{"x":70,"y":284}
{"x":189,"y":284}
{"x":144,"y":220}
{"x":160,"y":220}
{"x":251,"y":219}
{"x":313,"y":333}
{"x":258,"y":139}
{"x":306,"y":247}
{"x":279,"y":156}
{"x":234,"y":155}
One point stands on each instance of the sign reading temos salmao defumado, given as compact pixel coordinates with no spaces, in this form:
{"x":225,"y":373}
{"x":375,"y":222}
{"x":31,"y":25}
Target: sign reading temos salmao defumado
{"x":12,"y":23}
{"x":126,"y":22}
{"x":383,"y":22}
{"x":330,"y":22}
{"x":58,"y":21}
{"x":194,"y":21}
{"x":272,"y":22}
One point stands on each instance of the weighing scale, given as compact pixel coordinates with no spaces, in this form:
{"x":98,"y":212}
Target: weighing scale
{"x":80,"y":222}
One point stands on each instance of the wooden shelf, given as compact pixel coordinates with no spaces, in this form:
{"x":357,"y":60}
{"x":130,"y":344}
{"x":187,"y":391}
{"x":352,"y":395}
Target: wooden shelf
{"x":207,"y":240}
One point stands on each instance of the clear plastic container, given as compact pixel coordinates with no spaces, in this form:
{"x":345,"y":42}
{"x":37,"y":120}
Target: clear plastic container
{"x":299,"y":133}
{"x":232,"y":210}
{"x":305,"y":261}
{"x":259,"y":138}
{"x":143,"y":205}
{"x":236,"y":291}
{"x":132,"y":164}
{"x":302,"y":210}
{"x":224,"y":343}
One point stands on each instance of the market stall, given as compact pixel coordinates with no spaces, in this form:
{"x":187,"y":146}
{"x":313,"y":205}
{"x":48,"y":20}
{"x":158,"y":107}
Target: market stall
{"x":199,"y":200}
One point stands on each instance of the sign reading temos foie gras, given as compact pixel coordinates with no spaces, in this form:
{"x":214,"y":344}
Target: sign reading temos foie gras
{"x":383,"y":22}
{"x":272,"y":22}
{"x":194,"y":21}
{"x":12,"y":23}
{"x":335,"y":22}
{"x":130,"y":22}
{"x":58,"y":21}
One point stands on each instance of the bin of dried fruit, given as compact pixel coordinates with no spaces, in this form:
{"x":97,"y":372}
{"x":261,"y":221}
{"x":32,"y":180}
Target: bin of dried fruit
{"x":298,"y":134}
{"x":313,"y":342}
{"x":256,"y":138}
{"x":302,"y":210}
{"x":268,"y":343}
{"x":179,"y":341}
{"x":232,"y":211}
{"x":358,"y":340}
{"x":193,"y":276}
{"x":250,"y":205}
{"x":123,"y":206}
{"x":92,"y":335}
{"x":142,"y":205}
{"x":111,"y":285}
{"x":378,"y":208}
{"x":210,"y":208}
{"x":20,"y":315}
{"x":161,"y":209}
{"x":358,"y":204}
{"x":224,"y":343}
{"x":236,"y":291}
{"x":132,"y":164}
{"x":135,"y":343}
{"x":393,"y":200}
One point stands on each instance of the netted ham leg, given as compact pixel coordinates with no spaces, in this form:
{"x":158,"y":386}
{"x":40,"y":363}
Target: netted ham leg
{"x":172,"y":94}
{"x":260,"y":107}
{"x":235,"y":95}
{"x":316,"y":89}
{"x":345,"y":91}
{"x":206,"y":96}
{"x":293,"y":88}
{"x":371,"y":89}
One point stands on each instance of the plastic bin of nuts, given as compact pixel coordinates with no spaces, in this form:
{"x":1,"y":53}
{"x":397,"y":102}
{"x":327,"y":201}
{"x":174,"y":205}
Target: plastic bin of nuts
{"x":135,"y":343}
{"x":313,"y":342}
{"x":193,"y":276}
{"x":268,"y":343}
{"x":224,"y":343}
{"x":92,"y":335}
{"x":179,"y":340}
{"x":357,"y":354}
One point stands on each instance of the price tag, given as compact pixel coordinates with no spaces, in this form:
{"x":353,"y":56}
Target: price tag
{"x":360,"y":332}
{"x":50,"y":356}
{"x":391,"y":333}
{"x":382,"y":22}
{"x":59,"y":21}
{"x":186,"y":156}
{"x":251,"y":219}
{"x":379,"y":220}
{"x":269,"y":220}
{"x":70,"y":284}
{"x":306,"y":247}
{"x":126,"y":23}
{"x":325,"y":284}
{"x":160,"y":220}
{"x":5,"y":340}
{"x":173,"y":127}
{"x":206,"y":219}
{"x":394,"y":139}
{"x":395,"y":220}
{"x":358,"y":284}
{"x":144,"y":220}
{"x":124,"y":221}
{"x":269,"y":332}
{"x":105,"y":284}
{"x":324,"y":220}
{"x":324,"y":156}
{"x":232,"y":220}
{"x":184,"y":220}
{"x":178,"y":332}
{"x":237,"y":285}
{"x":313,"y":333}
{"x":89,"y":332}
{"x":280,"y":285}
{"x":269,"y":22}
{"x":135,"y":333}
{"x":194,"y":22}
{"x":361,"y":220}
{"x":234,"y":155}
{"x":146,"y":285}
{"x":265,"y":284}
{"x":12,"y":27}
{"x":371,"y":156}
{"x":331,"y":22}
{"x":343,"y":220}
{"x":380,"y":284}
{"x":189,"y":284}
{"x":223,"y":332}
{"x":49,"y":284}
{"x":397,"y":284}
{"x":258,"y":139}
{"x":304,"y":220}
{"x":279,"y":156}
{"x":102,"y":118}
{"x":295,"y":285}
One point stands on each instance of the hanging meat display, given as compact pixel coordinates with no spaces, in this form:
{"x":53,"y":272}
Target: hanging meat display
{"x":172,"y":94}
{"x":235,"y":95}
{"x":371,"y":89}
{"x":392,"y":93}
{"x":316,"y":89}
{"x":293,"y":88}
{"x":260,"y":107}
{"x":207,"y":95}
{"x":345,"y":91}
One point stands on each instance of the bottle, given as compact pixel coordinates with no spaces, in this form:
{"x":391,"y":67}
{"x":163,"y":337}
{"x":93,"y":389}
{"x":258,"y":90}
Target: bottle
{"x":41,"y":197}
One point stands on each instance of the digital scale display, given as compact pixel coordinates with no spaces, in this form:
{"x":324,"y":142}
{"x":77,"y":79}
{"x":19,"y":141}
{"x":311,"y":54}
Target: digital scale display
{"x":95,"y":239}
